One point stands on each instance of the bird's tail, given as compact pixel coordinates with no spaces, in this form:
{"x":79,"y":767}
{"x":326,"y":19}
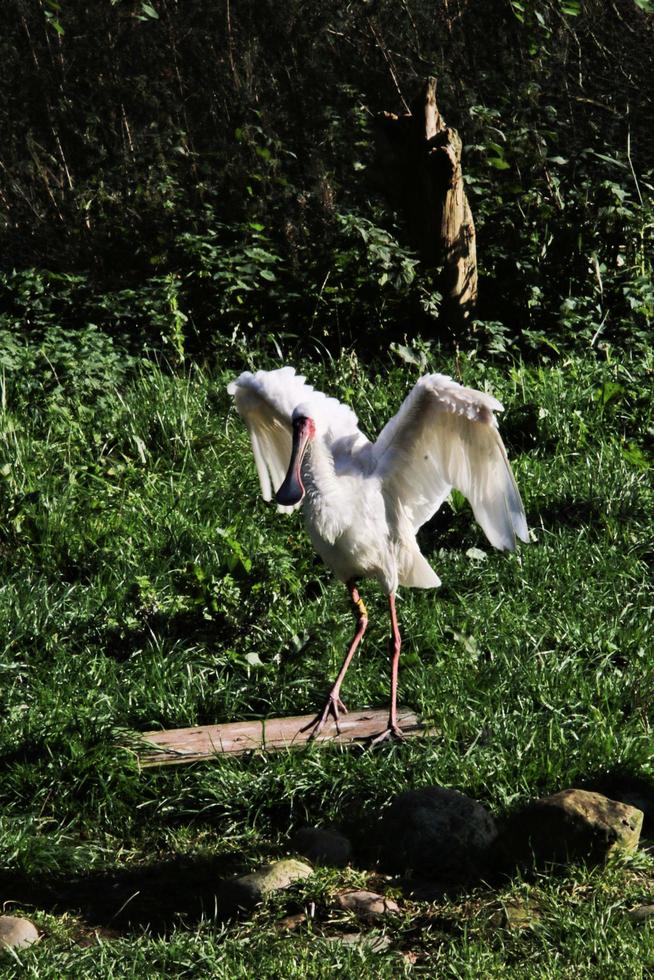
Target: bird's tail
{"x":420,"y":575}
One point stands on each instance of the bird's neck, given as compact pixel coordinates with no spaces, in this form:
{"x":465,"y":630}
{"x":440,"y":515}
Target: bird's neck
{"x":326,"y":507}
{"x":319,"y":473}
{"x":331,"y":496}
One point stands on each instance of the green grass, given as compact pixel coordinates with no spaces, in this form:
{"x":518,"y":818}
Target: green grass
{"x":146,"y":585}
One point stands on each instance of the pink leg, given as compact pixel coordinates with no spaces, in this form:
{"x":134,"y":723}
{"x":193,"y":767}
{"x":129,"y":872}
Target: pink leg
{"x":393,"y":730}
{"x":333,"y":704}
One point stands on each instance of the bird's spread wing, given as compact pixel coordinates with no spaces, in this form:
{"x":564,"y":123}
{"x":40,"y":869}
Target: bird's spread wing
{"x":266,"y":401}
{"x":445,"y":436}
{"x":265,"y":412}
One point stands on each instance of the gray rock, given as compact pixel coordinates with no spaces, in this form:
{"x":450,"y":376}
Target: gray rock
{"x":517,"y":914}
{"x":641,"y":914}
{"x":291,"y":922}
{"x":249,"y":890}
{"x":571,"y":825}
{"x":634,"y":791}
{"x":16,"y":932}
{"x":367,"y":905}
{"x":439,"y":833}
{"x":321,"y":846}
{"x":374,"y":943}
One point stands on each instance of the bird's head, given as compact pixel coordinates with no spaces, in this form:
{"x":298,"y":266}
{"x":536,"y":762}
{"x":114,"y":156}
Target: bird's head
{"x":291,"y":491}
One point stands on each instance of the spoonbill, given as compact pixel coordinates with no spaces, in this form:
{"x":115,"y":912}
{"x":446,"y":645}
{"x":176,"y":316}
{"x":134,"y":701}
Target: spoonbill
{"x":364,"y":501}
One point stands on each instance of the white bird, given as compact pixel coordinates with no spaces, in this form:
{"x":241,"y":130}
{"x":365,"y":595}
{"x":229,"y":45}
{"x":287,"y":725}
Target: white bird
{"x":364,"y":502}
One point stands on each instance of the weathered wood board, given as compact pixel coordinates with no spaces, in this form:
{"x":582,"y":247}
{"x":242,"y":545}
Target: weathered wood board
{"x":182,"y":745}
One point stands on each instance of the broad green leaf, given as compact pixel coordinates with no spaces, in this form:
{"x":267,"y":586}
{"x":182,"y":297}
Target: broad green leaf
{"x":498,"y":163}
{"x":610,"y":391}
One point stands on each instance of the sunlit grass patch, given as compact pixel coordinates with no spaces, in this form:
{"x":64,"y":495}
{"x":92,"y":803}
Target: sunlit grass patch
{"x":146,"y":585}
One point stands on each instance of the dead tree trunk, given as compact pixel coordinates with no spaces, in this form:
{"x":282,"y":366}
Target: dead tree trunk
{"x":420,"y":161}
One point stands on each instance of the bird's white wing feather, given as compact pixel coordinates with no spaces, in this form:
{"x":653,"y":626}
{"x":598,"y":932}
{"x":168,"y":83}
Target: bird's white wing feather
{"x":266,"y":401}
{"x":270,"y":433}
{"x":445,"y":436}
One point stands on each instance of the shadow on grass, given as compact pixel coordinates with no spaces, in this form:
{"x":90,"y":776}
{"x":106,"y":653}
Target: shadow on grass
{"x":184,"y":891}
{"x":458,"y":531}
{"x":522,"y":431}
{"x":121,"y":641}
{"x":155,"y":898}
{"x":567,"y":512}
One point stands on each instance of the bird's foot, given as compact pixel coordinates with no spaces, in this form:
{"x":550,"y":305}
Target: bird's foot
{"x":392,"y":732}
{"x":333,"y":708}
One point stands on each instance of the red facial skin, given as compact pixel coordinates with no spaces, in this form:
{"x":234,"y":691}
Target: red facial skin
{"x":292,"y":491}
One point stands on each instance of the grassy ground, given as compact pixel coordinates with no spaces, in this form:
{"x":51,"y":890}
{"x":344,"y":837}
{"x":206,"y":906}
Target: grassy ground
{"x":146,"y":585}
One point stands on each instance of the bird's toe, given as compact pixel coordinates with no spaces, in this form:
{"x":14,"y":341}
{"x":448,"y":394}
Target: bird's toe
{"x":392,"y":732}
{"x":333,"y":708}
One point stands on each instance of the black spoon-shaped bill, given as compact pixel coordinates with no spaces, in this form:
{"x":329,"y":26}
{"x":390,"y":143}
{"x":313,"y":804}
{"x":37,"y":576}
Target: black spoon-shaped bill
{"x":292,"y":491}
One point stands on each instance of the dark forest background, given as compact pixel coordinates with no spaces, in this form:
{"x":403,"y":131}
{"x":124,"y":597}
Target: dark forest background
{"x":187,"y":174}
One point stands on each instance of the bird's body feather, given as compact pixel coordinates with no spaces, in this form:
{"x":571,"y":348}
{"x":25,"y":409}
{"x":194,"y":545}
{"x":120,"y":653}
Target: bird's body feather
{"x":364,"y":502}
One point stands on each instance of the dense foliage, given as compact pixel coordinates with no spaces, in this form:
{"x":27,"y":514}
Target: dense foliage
{"x":181,"y":171}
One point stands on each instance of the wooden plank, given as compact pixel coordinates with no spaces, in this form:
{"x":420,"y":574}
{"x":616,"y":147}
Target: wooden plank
{"x":181,"y":745}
